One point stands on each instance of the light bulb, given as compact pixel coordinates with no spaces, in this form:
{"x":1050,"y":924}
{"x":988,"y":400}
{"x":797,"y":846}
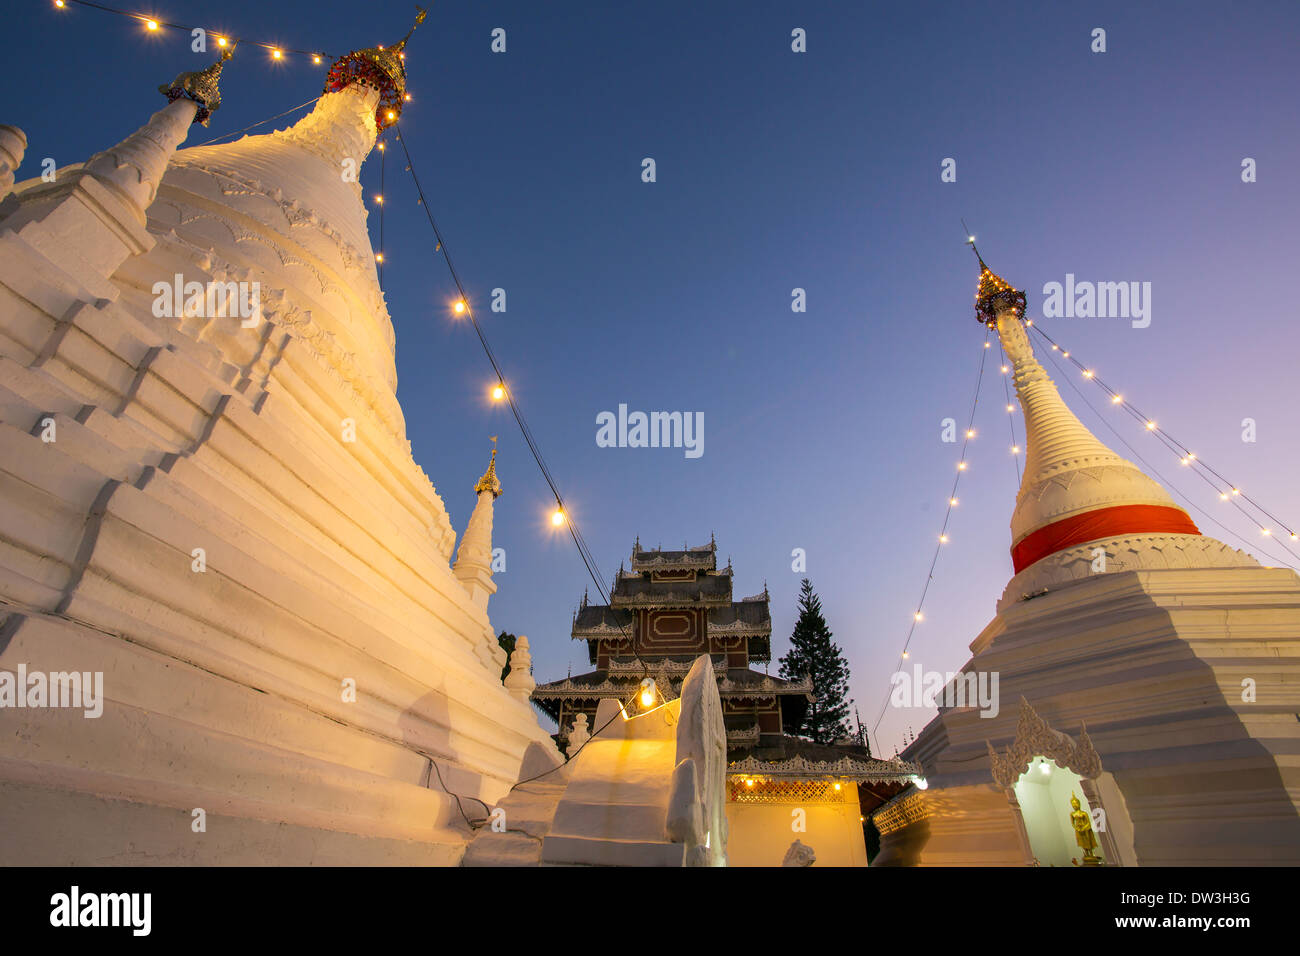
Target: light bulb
{"x":1011,"y":408}
{"x":970,"y":433}
{"x":276,"y":55}
{"x":1151,"y":426}
{"x":221,"y":41}
{"x":498,"y":393}
{"x":648,"y":692}
{"x":943,"y":539}
{"x":459,"y":306}
{"x":379,"y":257}
{"x":315,"y":58}
{"x":918,"y":615}
{"x":151,"y":24}
{"x":557,"y":517}
{"x":1116,"y":399}
{"x":837,"y":788}
{"x":952,"y":502}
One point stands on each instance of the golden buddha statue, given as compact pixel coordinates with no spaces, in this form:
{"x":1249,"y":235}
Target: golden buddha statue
{"x":1083,"y":835}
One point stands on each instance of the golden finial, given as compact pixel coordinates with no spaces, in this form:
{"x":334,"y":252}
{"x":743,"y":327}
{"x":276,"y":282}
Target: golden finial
{"x":419,"y":18}
{"x":489,"y":480}
{"x":382,"y":68}
{"x":200,"y":86}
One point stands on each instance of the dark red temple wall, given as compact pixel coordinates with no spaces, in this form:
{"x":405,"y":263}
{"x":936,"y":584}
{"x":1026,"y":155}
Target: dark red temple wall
{"x":672,"y":632}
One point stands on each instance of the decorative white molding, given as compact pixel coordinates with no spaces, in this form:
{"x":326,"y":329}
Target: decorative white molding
{"x":1034,"y":738}
{"x":1147,"y":552}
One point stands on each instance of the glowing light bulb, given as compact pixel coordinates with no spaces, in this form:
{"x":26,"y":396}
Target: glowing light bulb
{"x":648,"y":692}
{"x":221,"y":41}
{"x":1151,"y":426}
{"x":1015,"y":449}
{"x":952,"y":502}
{"x":380,"y":200}
{"x":557,"y":517}
{"x":749,"y":782}
{"x":970,"y":433}
{"x":1087,"y":373}
{"x":1236,"y":491}
{"x":392,"y":115}
{"x":1223,"y":496}
{"x":498,"y":393}
{"x":918,"y":615}
{"x":315,"y":58}
{"x":379,"y":257}
{"x":459,"y":307}
{"x":961,"y":466}
{"x":151,"y":24}
{"x":408,"y":97}
{"x":1116,"y":399}
{"x":920,"y":783}
{"x":988,"y":345}
{"x":1267,"y":533}
{"x":1011,"y":408}
{"x":943,"y":539}
{"x":381,"y":147}
{"x":837,"y":788}
{"x":905,"y":655}
{"x":1004,"y":370}
{"x":59,"y":4}
{"x":277,"y":55}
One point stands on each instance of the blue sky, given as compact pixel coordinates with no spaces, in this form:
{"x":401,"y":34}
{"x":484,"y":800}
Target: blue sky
{"x":775,"y":171}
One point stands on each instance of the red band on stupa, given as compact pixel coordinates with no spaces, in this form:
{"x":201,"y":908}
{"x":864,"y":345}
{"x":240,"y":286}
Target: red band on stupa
{"x":1102,"y":523}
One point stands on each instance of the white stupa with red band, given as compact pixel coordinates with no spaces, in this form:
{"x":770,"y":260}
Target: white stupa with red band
{"x":1079,"y":500}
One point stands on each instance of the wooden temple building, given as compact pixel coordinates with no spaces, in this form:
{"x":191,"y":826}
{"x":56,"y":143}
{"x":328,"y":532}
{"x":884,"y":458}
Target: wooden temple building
{"x":670,"y":607}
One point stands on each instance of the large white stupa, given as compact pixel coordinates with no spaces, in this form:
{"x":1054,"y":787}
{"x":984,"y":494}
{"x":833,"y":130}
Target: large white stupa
{"x":221,"y":514}
{"x":1148,"y":669}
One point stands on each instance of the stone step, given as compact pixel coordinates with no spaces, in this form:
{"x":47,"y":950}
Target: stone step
{"x":503,"y":849}
{"x":589,"y":851}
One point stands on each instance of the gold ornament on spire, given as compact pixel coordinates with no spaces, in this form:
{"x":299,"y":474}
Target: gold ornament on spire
{"x":995,"y":294}
{"x":489,"y":480}
{"x":381,"y":68}
{"x":201,"y":87}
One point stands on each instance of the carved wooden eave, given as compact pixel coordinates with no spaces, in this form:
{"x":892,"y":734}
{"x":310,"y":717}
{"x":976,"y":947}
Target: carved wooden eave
{"x":1035,"y":738}
{"x":848,"y":768}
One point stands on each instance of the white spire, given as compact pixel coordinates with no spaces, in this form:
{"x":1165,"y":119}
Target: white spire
{"x":473,"y":567}
{"x":1076,"y":494}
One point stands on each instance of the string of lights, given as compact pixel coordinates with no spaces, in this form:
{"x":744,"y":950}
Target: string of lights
{"x":560,"y":517}
{"x":1152,"y":470}
{"x":154,"y":24}
{"x":1226,"y":490}
{"x":968,"y":435}
{"x":1011,"y":410}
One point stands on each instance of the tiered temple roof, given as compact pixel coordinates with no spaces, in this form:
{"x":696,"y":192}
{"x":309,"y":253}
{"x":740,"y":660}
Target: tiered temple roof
{"x":669,"y":608}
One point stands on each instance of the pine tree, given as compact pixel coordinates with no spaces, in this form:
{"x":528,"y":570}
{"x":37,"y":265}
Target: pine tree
{"x":507,"y":642}
{"x":814,"y":654}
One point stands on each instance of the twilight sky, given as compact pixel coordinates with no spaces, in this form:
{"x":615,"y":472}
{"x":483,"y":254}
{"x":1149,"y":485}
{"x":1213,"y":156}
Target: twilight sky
{"x":779,"y":170}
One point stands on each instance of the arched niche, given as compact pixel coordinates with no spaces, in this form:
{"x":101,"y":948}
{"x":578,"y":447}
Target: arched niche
{"x":1038,"y":772}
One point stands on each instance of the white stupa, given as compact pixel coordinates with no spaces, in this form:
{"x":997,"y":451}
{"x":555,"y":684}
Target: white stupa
{"x":1150,"y":669}
{"x":222,"y":515}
